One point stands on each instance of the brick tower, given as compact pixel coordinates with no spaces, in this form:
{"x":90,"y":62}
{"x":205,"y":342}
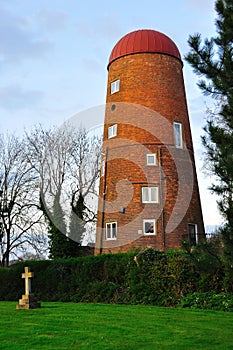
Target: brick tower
{"x":149,"y":194}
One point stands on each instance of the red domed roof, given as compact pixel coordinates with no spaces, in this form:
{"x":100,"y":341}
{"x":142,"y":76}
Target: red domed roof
{"x":141,"y":41}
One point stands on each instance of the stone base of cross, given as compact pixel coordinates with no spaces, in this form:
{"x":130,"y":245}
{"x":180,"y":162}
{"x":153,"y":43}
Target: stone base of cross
{"x":28,"y":300}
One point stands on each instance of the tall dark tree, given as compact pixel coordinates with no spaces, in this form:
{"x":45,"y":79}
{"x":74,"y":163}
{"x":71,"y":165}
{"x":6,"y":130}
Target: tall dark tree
{"x":213,"y":60}
{"x":60,"y":246}
{"x":58,"y":242}
{"x":77,"y":229}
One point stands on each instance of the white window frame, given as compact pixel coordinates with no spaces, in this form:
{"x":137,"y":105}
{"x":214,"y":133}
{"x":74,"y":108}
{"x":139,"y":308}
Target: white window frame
{"x":115,"y":86}
{"x":196,"y":235}
{"x":109,"y":225}
{"x":178,"y":134}
{"x":112,"y":131}
{"x":153,"y":157}
{"x":150,"y":222}
{"x":147,"y":196}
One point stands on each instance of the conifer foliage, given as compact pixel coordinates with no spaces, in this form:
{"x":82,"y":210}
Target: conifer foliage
{"x":212,"y":59}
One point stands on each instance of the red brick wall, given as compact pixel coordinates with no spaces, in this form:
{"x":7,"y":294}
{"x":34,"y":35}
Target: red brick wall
{"x":154,"y":81}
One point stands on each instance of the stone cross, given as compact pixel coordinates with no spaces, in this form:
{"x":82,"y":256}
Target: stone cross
{"x":28,"y":300}
{"x":27,"y":275}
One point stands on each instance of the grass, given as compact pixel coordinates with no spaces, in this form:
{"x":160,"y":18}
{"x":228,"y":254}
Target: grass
{"x":100,"y":326}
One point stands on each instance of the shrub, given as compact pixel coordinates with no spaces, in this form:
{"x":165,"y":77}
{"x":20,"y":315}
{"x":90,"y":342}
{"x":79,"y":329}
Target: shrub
{"x":206,"y":259}
{"x":208,"y":301}
{"x":161,"y":278}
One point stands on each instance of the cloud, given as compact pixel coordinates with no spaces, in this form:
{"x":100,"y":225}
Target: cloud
{"x":17,"y":39}
{"x":15,"y":98}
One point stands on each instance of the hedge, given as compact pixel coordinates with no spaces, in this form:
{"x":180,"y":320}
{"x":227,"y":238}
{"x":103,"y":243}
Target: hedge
{"x":149,"y":277}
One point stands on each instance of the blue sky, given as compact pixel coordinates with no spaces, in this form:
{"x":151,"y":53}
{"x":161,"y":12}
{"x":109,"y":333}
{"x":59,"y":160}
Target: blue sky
{"x":54,"y":54}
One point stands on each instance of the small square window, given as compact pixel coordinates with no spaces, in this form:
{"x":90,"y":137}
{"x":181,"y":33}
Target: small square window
{"x":178,"y":135}
{"x":112,"y":131}
{"x":150,"y":195}
{"x":111,"y":230}
{"x":115,"y":86}
{"x":151,"y":159}
{"x":149,"y":227}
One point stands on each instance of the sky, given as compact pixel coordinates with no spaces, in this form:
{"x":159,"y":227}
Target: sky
{"x":54,"y":55}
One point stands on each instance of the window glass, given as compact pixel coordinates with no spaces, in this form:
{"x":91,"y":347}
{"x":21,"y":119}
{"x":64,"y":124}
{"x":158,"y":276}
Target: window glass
{"x":145,"y":194}
{"x":108,"y":231}
{"x":114,"y":229}
{"x":151,"y":159}
{"x":150,"y":195}
{"x":111,"y":230}
{"x":192,"y":231}
{"x":154,"y":194}
{"x":178,"y":135}
{"x":102,"y":170}
{"x":112,"y":131}
{"x":115,"y":86}
{"x":149,"y":227}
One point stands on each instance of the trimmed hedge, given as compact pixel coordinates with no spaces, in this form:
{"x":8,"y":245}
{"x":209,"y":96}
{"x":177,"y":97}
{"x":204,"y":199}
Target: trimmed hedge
{"x":67,"y":280}
{"x":149,"y":277}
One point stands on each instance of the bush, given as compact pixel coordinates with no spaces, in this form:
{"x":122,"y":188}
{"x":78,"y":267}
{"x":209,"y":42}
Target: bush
{"x":161,"y":278}
{"x":208,"y":301}
{"x":206,"y":259}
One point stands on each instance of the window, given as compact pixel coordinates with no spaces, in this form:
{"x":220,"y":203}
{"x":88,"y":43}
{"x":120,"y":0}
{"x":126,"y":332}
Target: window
{"x":178,"y":135}
{"x":150,"y":195}
{"x":151,"y":159}
{"x":115,"y":86}
{"x":111,"y":230}
{"x":102,"y":169}
{"x":149,"y":227}
{"x":112,"y":131}
{"x":192,"y":232}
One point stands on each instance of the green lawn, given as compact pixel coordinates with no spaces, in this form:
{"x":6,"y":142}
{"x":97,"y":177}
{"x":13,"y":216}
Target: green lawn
{"x":98,"y":326}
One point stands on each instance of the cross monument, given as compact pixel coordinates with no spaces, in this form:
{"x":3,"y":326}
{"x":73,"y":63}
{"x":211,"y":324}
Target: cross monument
{"x":27,"y":275}
{"x":28,"y":300}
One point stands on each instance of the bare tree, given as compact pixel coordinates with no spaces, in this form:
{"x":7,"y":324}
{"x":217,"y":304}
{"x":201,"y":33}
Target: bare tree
{"x":67,"y":161}
{"x":20,"y":217}
{"x":83,"y":169}
{"x":56,"y":169}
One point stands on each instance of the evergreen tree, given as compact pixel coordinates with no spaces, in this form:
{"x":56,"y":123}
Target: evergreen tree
{"x":213,"y":60}
{"x":77,"y":218}
{"x":57,"y":239}
{"x":60,"y":246}
{"x":57,"y":235}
